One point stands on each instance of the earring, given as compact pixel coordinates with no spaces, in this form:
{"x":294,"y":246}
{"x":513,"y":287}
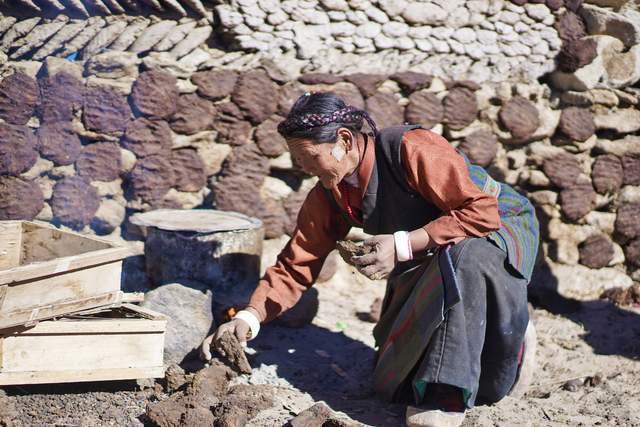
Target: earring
{"x":337,"y":152}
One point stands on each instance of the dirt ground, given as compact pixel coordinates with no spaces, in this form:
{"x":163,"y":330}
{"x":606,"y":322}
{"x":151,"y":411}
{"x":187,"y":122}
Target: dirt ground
{"x":587,"y":355}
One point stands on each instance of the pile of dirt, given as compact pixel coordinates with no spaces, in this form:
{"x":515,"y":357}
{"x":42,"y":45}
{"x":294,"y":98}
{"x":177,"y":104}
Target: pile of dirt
{"x":349,"y":249}
{"x":623,"y":296}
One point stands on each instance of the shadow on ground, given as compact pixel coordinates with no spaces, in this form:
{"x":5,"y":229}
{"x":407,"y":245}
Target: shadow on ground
{"x":609,"y":329}
{"x":329,"y":366}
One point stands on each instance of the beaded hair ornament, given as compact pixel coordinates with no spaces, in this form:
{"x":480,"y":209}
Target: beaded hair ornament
{"x":348,"y":114}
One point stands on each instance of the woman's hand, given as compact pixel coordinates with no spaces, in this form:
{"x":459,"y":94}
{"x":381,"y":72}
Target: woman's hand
{"x":238,"y":327}
{"x":381,"y":261}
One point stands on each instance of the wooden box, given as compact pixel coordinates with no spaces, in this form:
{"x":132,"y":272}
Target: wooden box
{"x":47,"y":272}
{"x":119,"y":343}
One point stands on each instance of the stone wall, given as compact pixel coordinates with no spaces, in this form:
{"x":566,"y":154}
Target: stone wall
{"x":89,"y":140}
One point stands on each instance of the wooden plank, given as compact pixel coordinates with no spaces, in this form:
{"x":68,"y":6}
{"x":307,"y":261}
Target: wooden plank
{"x":57,"y":295}
{"x":58,"y":266}
{"x":77,"y":352}
{"x":145,"y":312}
{"x":133,"y":297}
{"x":10,"y":244}
{"x":45,"y":243}
{"x":40,"y":377}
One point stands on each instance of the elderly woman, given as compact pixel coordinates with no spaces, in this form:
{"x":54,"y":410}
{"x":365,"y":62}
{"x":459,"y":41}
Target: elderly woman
{"x":457,"y":247}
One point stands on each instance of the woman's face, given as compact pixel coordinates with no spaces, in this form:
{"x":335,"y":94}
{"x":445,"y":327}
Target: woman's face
{"x":316,"y":159}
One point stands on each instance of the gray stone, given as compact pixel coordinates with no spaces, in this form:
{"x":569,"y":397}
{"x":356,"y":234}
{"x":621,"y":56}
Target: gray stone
{"x":537,"y":11}
{"x":395,"y":29}
{"x":188,"y":306}
{"x":377,"y":15}
{"x":109,"y":216}
{"x":464,"y":35}
{"x":369,"y":30}
{"x":508,"y":17}
{"x":625,"y":120}
{"x":424,"y":14}
{"x":340,"y":5}
{"x":603,"y":21}
{"x":394,"y":8}
{"x":459,"y":17}
{"x":623,"y":69}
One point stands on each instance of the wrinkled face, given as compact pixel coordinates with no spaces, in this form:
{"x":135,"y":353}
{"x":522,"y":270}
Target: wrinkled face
{"x":321,"y":158}
{"x":316,"y":159}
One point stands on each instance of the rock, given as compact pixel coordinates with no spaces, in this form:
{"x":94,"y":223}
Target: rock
{"x":215,"y":84}
{"x":631,"y":167}
{"x":151,"y":178}
{"x":316,"y":415}
{"x":74,"y":202}
{"x":121,"y":86}
{"x":627,"y":224}
{"x":188,"y":169}
{"x":109,"y":216}
{"x":113,"y":65}
{"x":632,"y":253}
{"x":624,"y":120}
{"x":596,"y":251}
{"x":480,"y":147}
{"x":623,"y":69}
{"x":424,"y":108}
{"x":193,"y":114}
{"x":603,"y":21}
{"x":60,"y":95}
{"x":175,"y":378}
{"x":99,"y":161}
{"x":108,"y":189}
{"x":460,"y":108}
{"x":268,"y":139}
{"x":562,"y":169}
{"x":145,"y":137}
{"x":411,"y":81}
{"x":520,"y":117}
{"x":385,"y":110}
{"x":105,"y":111}
{"x":418,"y":13}
{"x":18,"y":98}
{"x":583,"y":283}
{"x":19,"y":199}
{"x":256,"y":95}
{"x":607,"y":174}
{"x":188,"y":305}
{"x":54,"y":65}
{"x":576,"y":123}
{"x":185,"y":199}
{"x":127,"y":161}
{"x":213,"y":155}
{"x":588,"y":76}
{"x":577,"y":201}
{"x":40,"y":167}
{"x":17,"y":149}
{"x":576,"y":54}
{"x":155,"y":94}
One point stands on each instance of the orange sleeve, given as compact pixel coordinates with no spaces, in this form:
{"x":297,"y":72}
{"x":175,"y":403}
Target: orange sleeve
{"x":436,"y":170}
{"x":319,"y":226}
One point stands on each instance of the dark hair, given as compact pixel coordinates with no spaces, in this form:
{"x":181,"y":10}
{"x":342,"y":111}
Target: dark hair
{"x":319,"y":115}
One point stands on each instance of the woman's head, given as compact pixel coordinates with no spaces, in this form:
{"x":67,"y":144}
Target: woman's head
{"x":321,"y":132}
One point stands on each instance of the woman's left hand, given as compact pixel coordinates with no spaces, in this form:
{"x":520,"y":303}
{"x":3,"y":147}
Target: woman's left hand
{"x":377,"y":264}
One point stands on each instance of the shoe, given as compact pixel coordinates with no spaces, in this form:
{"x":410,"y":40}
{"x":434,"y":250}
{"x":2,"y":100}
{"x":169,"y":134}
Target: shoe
{"x":444,"y":408}
{"x":527,"y":366}
{"x":420,"y":417}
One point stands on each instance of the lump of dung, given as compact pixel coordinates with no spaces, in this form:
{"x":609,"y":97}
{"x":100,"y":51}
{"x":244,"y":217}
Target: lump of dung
{"x":424,"y":108}
{"x":17,"y":149}
{"x":188,"y":170}
{"x":256,"y":95}
{"x":596,"y":251}
{"x":480,"y":147}
{"x":520,"y":117}
{"x":577,"y":201}
{"x":19,"y":199}
{"x":145,"y":137}
{"x":410,"y":81}
{"x":349,"y":249}
{"x":215,"y":84}
{"x":607,"y":174}
{"x":193,"y":114}
{"x":563,"y":169}
{"x":577,"y":123}
{"x":460,"y":108}
{"x":18,"y":98}
{"x":155,"y":94}
{"x":59,"y":142}
{"x":385,"y":110}
{"x":105,"y":111}
{"x":74,"y":202}
{"x":230,"y":349}
{"x":99,"y":161}
{"x":60,"y":94}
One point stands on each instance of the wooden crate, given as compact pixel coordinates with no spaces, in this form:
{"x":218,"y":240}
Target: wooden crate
{"x":46,"y":272}
{"x":119,"y":343}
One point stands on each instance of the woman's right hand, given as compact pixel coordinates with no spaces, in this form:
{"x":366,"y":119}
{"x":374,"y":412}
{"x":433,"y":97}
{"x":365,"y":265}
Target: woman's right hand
{"x":238,"y":327}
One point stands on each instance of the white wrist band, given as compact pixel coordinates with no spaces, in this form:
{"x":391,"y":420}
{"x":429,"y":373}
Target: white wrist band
{"x":403,"y":246}
{"x":252,"y":320}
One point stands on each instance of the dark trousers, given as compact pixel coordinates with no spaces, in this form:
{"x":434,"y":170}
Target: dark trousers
{"x":476,"y":347}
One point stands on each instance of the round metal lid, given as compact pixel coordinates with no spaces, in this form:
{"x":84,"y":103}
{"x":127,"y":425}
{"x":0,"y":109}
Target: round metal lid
{"x":195,"y":220}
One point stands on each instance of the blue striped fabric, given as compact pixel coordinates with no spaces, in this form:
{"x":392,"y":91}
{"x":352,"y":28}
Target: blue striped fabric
{"x":519,"y":235}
